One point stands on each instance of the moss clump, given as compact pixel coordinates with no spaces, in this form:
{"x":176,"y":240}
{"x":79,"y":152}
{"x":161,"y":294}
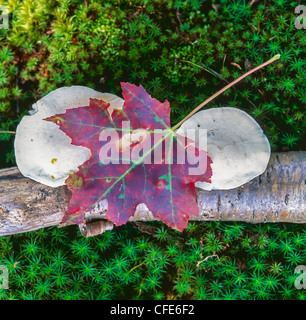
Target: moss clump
{"x":207,"y":261}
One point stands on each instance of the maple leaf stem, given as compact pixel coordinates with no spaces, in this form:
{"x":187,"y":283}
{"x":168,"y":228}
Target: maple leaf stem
{"x":13,"y":132}
{"x":276,"y":57}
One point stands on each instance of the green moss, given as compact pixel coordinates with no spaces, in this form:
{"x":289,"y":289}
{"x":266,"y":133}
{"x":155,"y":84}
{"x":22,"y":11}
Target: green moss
{"x":207,"y":261}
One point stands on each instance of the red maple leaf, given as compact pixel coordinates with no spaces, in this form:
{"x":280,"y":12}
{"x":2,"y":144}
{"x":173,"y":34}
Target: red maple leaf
{"x":147,"y":169}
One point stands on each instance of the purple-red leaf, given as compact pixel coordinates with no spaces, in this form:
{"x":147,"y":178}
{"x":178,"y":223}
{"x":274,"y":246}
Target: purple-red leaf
{"x":136,"y":158}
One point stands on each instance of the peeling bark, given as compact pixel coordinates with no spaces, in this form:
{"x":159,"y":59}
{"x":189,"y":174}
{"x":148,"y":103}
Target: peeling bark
{"x":278,"y":195}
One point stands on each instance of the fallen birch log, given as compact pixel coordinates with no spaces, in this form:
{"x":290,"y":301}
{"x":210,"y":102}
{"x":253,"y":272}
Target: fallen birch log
{"x":278,"y":195}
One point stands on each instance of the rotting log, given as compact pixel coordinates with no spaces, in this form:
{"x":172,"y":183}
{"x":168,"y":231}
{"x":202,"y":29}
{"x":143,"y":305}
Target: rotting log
{"x":278,"y":195}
